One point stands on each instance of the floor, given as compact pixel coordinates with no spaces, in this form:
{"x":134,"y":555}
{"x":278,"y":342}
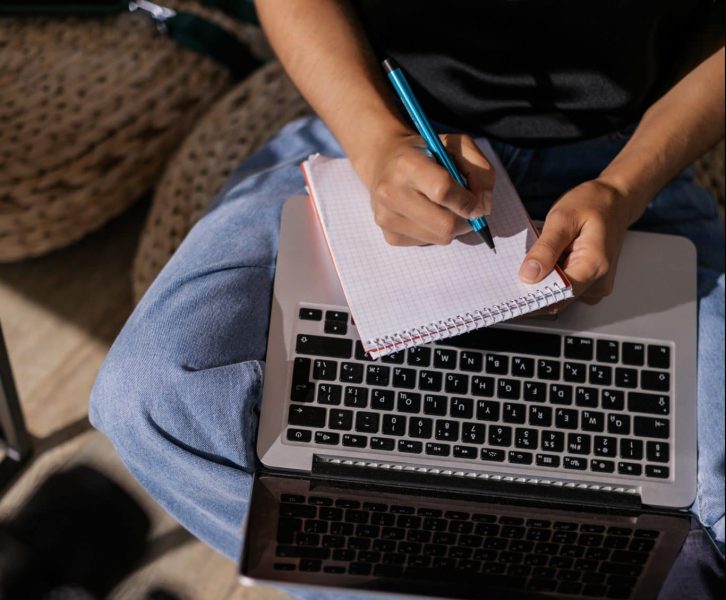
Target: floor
{"x":60,"y":314}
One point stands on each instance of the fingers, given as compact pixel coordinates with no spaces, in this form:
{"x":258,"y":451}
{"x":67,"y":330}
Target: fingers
{"x":475,"y":168}
{"x":419,"y":221}
{"x":558,"y":233}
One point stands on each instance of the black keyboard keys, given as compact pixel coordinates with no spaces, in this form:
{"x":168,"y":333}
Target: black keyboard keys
{"x":319,"y":345}
{"x":306,"y":416}
{"x":302,"y":389}
{"x":633,"y":354}
{"x":608,"y":351}
{"x":659,"y":357}
{"x":579,"y":348}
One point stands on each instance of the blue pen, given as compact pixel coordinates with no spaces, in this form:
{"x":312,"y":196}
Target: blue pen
{"x":395,"y":74}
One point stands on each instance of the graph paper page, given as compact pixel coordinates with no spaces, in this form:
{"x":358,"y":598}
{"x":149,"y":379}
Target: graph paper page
{"x":394,"y":290}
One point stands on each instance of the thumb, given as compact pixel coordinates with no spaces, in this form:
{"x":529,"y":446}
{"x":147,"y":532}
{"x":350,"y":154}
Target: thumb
{"x":475,"y":168}
{"x":557,"y":234}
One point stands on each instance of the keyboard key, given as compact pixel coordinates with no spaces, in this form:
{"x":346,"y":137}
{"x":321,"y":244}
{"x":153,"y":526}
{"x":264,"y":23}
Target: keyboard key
{"x":657,"y":381}
{"x":655,"y":404}
{"x":523,"y":367}
{"x":340,"y":419}
{"x":409,"y":402}
{"x":553,"y":441}
{"x":311,"y":314}
{"x":306,"y":416}
{"x":299,"y":435}
{"x":608,"y":351}
{"x":456,"y":383}
{"x":462,"y":408}
{"x":548,"y":369}
{"x":404,"y":378}
{"x":591,"y":420}
{"x":410,"y":447}
{"x":560,"y":394}
{"x":420,"y":427}
{"x":497,"y":364}
{"x":302,"y":552}
{"x":429,"y":381}
{"x":473,"y":433}
{"x":465,"y":452}
{"x":319,"y":345}
{"x":578,"y":348}
{"x":329,"y":393}
{"x":419,"y":356}
{"x":508,"y":389}
{"x":519,"y":457}
{"x":393,"y":425}
{"x":515,"y":341}
{"x":487,"y":410}
{"x":601,"y":375}
{"x":360,"y":353}
{"x":575,"y":462}
{"x":382,"y":399}
{"x":366,"y":422}
{"x":627,"y":378}
{"x":659,"y":357}
{"x":540,"y":415}
{"x":336,"y":315}
{"x":335,"y":327}
{"x":444,"y":358}
{"x":613,"y":400}
{"x":633,"y":354}
{"x":565,"y":418}
{"x":587,"y":397}
{"x":471,"y":361}
{"x":631,"y":449}
{"x":575,"y":372}
{"x":397,"y":358}
{"x":435,"y":405}
{"x":605,"y":446}
{"x":377,"y":375}
{"x":548,"y":460}
{"x":354,"y":441}
{"x":492,"y":455}
{"x":659,"y":471}
{"x":526,"y":438}
{"x":618,"y":424}
{"x":436,"y":449}
{"x":628,"y":468}
{"x":356,"y":397}
{"x":535,"y":391}
{"x":514,"y":413}
{"x":325,"y":437}
{"x":482,"y":386}
{"x":658,"y":451}
{"x":447,"y":431}
{"x":378,"y":443}
{"x":500,"y":435}
{"x":578,"y":443}
{"x":351,"y":372}
{"x":301,"y":390}
{"x":647,"y":427}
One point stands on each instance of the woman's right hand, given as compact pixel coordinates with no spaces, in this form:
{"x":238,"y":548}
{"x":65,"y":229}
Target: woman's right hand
{"x":415,"y":200}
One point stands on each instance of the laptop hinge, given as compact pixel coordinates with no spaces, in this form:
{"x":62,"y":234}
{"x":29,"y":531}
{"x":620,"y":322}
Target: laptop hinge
{"x":546,"y":489}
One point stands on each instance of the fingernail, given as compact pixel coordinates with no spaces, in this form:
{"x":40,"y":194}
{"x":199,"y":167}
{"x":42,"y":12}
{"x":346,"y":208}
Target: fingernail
{"x":530,"y":271}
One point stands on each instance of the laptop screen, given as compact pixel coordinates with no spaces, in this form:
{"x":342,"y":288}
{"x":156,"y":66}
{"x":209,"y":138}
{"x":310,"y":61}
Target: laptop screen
{"x":433,"y":543}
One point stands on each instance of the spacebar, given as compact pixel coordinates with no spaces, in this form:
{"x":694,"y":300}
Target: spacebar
{"x":508,"y":340}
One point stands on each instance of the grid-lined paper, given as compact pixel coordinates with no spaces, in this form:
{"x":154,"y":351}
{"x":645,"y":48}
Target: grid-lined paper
{"x":394,"y":291}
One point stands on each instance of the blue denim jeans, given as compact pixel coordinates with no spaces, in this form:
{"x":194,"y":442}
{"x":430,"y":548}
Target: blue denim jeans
{"x":179,"y":392}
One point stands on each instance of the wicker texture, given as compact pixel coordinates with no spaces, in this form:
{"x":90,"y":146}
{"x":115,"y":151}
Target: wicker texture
{"x":90,"y":111}
{"x":232,"y":130}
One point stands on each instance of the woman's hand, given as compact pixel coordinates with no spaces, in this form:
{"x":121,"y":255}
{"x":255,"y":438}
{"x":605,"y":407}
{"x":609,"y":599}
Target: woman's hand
{"x":416,"y":201}
{"x":584,"y":232}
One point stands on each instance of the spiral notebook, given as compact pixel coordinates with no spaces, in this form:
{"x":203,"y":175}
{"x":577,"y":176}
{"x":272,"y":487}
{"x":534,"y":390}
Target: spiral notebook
{"x":405,"y":296}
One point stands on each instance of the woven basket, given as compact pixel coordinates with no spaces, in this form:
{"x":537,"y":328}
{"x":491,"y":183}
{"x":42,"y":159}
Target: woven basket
{"x":90,"y":111}
{"x":232,"y":130}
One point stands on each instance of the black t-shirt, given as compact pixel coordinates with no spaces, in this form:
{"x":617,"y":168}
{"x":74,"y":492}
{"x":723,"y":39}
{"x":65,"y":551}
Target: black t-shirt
{"x":541,"y":71}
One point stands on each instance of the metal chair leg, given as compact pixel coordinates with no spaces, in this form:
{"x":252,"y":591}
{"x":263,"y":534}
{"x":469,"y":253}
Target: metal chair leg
{"x":14,"y":438}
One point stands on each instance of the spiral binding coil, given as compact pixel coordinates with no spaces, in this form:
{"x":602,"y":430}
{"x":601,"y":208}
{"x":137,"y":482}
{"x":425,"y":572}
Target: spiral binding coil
{"x":458,"y":324}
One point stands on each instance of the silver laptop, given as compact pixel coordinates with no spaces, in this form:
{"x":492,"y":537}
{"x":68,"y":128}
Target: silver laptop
{"x":589,"y":418}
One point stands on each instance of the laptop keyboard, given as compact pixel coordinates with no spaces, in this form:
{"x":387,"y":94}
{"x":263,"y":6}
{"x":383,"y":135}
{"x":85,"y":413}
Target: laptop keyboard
{"x":319,"y":534}
{"x":492,"y":396}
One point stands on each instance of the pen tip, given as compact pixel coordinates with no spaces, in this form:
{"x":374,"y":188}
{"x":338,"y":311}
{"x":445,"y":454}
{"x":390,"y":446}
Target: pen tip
{"x":486,"y":235}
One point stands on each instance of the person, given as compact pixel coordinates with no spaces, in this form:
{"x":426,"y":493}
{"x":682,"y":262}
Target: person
{"x":596,"y":110}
